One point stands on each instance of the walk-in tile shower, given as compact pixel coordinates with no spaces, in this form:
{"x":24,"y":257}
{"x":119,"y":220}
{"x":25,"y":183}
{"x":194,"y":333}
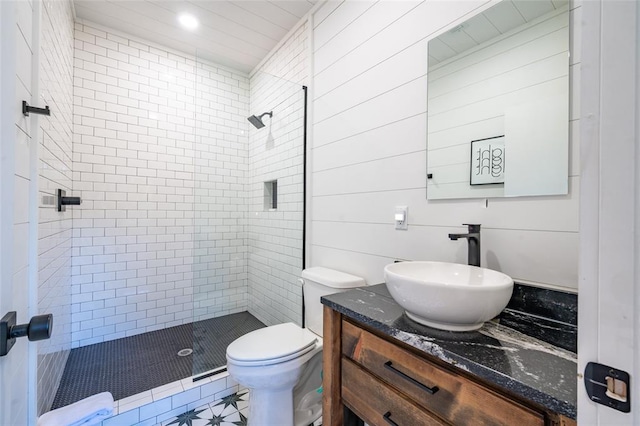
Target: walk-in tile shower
{"x":172,"y":244}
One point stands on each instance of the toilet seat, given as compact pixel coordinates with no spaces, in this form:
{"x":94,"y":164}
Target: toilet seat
{"x":271,"y":345}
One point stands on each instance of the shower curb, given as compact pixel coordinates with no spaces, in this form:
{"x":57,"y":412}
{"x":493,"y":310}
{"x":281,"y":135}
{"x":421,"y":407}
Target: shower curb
{"x":157,"y":405}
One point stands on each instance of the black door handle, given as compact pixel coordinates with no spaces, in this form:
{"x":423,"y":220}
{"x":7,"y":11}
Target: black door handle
{"x":39,"y":328}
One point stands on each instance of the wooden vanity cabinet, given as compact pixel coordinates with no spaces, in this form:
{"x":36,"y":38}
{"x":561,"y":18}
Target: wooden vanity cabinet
{"x":384,"y":382}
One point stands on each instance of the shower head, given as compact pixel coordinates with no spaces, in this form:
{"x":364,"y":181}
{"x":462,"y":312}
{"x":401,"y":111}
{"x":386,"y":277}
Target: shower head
{"x":257,"y":120}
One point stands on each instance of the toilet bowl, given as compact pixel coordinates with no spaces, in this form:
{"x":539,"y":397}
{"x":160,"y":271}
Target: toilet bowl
{"x":281,"y":365}
{"x":283,"y":357}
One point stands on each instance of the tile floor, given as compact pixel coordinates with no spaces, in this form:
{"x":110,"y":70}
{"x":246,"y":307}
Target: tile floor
{"x":232,"y":410}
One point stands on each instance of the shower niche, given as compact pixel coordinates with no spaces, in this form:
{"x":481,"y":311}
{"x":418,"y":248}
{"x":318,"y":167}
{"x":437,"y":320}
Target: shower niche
{"x":271,"y":195}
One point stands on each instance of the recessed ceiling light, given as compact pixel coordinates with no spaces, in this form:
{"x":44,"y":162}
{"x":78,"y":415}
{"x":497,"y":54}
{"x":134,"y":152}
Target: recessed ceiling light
{"x":188,"y":21}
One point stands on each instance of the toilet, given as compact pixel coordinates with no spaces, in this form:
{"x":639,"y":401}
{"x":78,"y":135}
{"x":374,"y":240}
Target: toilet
{"x":281,"y":365}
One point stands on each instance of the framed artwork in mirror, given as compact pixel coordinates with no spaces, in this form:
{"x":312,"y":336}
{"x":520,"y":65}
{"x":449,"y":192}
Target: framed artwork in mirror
{"x":487,"y":161}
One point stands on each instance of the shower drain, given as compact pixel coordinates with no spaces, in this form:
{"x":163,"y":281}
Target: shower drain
{"x":185,"y":352}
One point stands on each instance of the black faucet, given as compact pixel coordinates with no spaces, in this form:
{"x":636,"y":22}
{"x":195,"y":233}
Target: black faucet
{"x":473,"y":238}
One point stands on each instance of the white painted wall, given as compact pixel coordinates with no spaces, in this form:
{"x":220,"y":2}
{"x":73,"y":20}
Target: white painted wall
{"x":16,"y":178}
{"x":276,"y":153}
{"x":55,"y":171}
{"x":369,"y":155}
{"x":158,"y":156}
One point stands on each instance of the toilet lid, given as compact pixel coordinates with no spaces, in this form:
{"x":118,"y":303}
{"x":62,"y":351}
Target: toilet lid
{"x":269,"y":345}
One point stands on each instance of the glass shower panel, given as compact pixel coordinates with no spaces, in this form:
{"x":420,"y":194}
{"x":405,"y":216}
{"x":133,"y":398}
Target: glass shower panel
{"x":237,"y":168}
{"x":275,"y":200}
{"x":219,"y":289}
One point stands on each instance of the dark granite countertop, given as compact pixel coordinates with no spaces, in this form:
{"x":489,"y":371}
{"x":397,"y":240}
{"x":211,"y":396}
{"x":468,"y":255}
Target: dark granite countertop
{"x":530,"y":368}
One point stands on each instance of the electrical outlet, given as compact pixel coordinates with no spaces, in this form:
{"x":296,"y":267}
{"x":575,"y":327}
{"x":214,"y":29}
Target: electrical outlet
{"x":401,"y":217}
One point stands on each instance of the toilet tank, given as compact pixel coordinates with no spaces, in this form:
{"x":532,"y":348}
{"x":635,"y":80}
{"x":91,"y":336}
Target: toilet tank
{"x":319,"y":282}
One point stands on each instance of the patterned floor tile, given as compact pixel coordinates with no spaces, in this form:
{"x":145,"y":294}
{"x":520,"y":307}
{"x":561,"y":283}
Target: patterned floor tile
{"x":234,"y":419}
{"x":232,"y":410}
{"x":233,"y":400}
{"x":197,"y":417}
{"x":245,"y":411}
{"x":243,"y":404}
{"x":224,"y":412}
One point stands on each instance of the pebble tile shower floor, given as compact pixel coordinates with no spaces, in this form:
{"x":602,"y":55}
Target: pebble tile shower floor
{"x":145,"y":361}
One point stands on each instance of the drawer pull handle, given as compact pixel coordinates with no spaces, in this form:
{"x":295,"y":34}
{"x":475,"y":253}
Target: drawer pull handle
{"x":387,"y":417}
{"x":432,"y":390}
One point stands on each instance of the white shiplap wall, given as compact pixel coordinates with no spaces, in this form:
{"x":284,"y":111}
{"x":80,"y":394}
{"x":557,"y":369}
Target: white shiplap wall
{"x":369,"y":154}
{"x":55,"y":171}
{"x":159,"y":161}
{"x":276,"y":153}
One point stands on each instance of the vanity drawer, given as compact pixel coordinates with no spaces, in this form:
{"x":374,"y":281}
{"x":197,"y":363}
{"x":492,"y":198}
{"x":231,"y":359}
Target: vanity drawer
{"x":378,"y":404}
{"x":453,"y":397}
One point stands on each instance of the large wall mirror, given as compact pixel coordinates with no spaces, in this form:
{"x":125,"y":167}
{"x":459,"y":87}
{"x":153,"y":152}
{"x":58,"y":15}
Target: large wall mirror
{"x":498,"y":103}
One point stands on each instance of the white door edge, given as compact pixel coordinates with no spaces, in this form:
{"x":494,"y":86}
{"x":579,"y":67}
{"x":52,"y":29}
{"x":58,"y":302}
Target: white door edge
{"x":34,"y":161}
{"x":609,"y":300}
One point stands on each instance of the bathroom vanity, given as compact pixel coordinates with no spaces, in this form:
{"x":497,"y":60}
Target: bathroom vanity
{"x":384,"y":369}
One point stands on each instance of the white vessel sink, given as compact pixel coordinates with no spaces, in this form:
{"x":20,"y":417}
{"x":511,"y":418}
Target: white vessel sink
{"x":448,"y":296}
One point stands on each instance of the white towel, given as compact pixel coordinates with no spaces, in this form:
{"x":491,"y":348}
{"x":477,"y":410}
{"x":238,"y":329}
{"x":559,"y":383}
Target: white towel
{"x":89,"y":411}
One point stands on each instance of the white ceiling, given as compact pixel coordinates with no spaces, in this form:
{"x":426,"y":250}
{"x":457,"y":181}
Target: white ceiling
{"x":497,"y":20}
{"x":237,"y":33}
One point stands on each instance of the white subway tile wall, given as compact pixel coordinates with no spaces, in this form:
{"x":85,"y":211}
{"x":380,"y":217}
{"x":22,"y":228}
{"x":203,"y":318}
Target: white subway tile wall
{"x":220,"y":268}
{"x":276,"y":153}
{"x":160,"y":152}
{"x":55,"y":171}
{"x":369,"y":154}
